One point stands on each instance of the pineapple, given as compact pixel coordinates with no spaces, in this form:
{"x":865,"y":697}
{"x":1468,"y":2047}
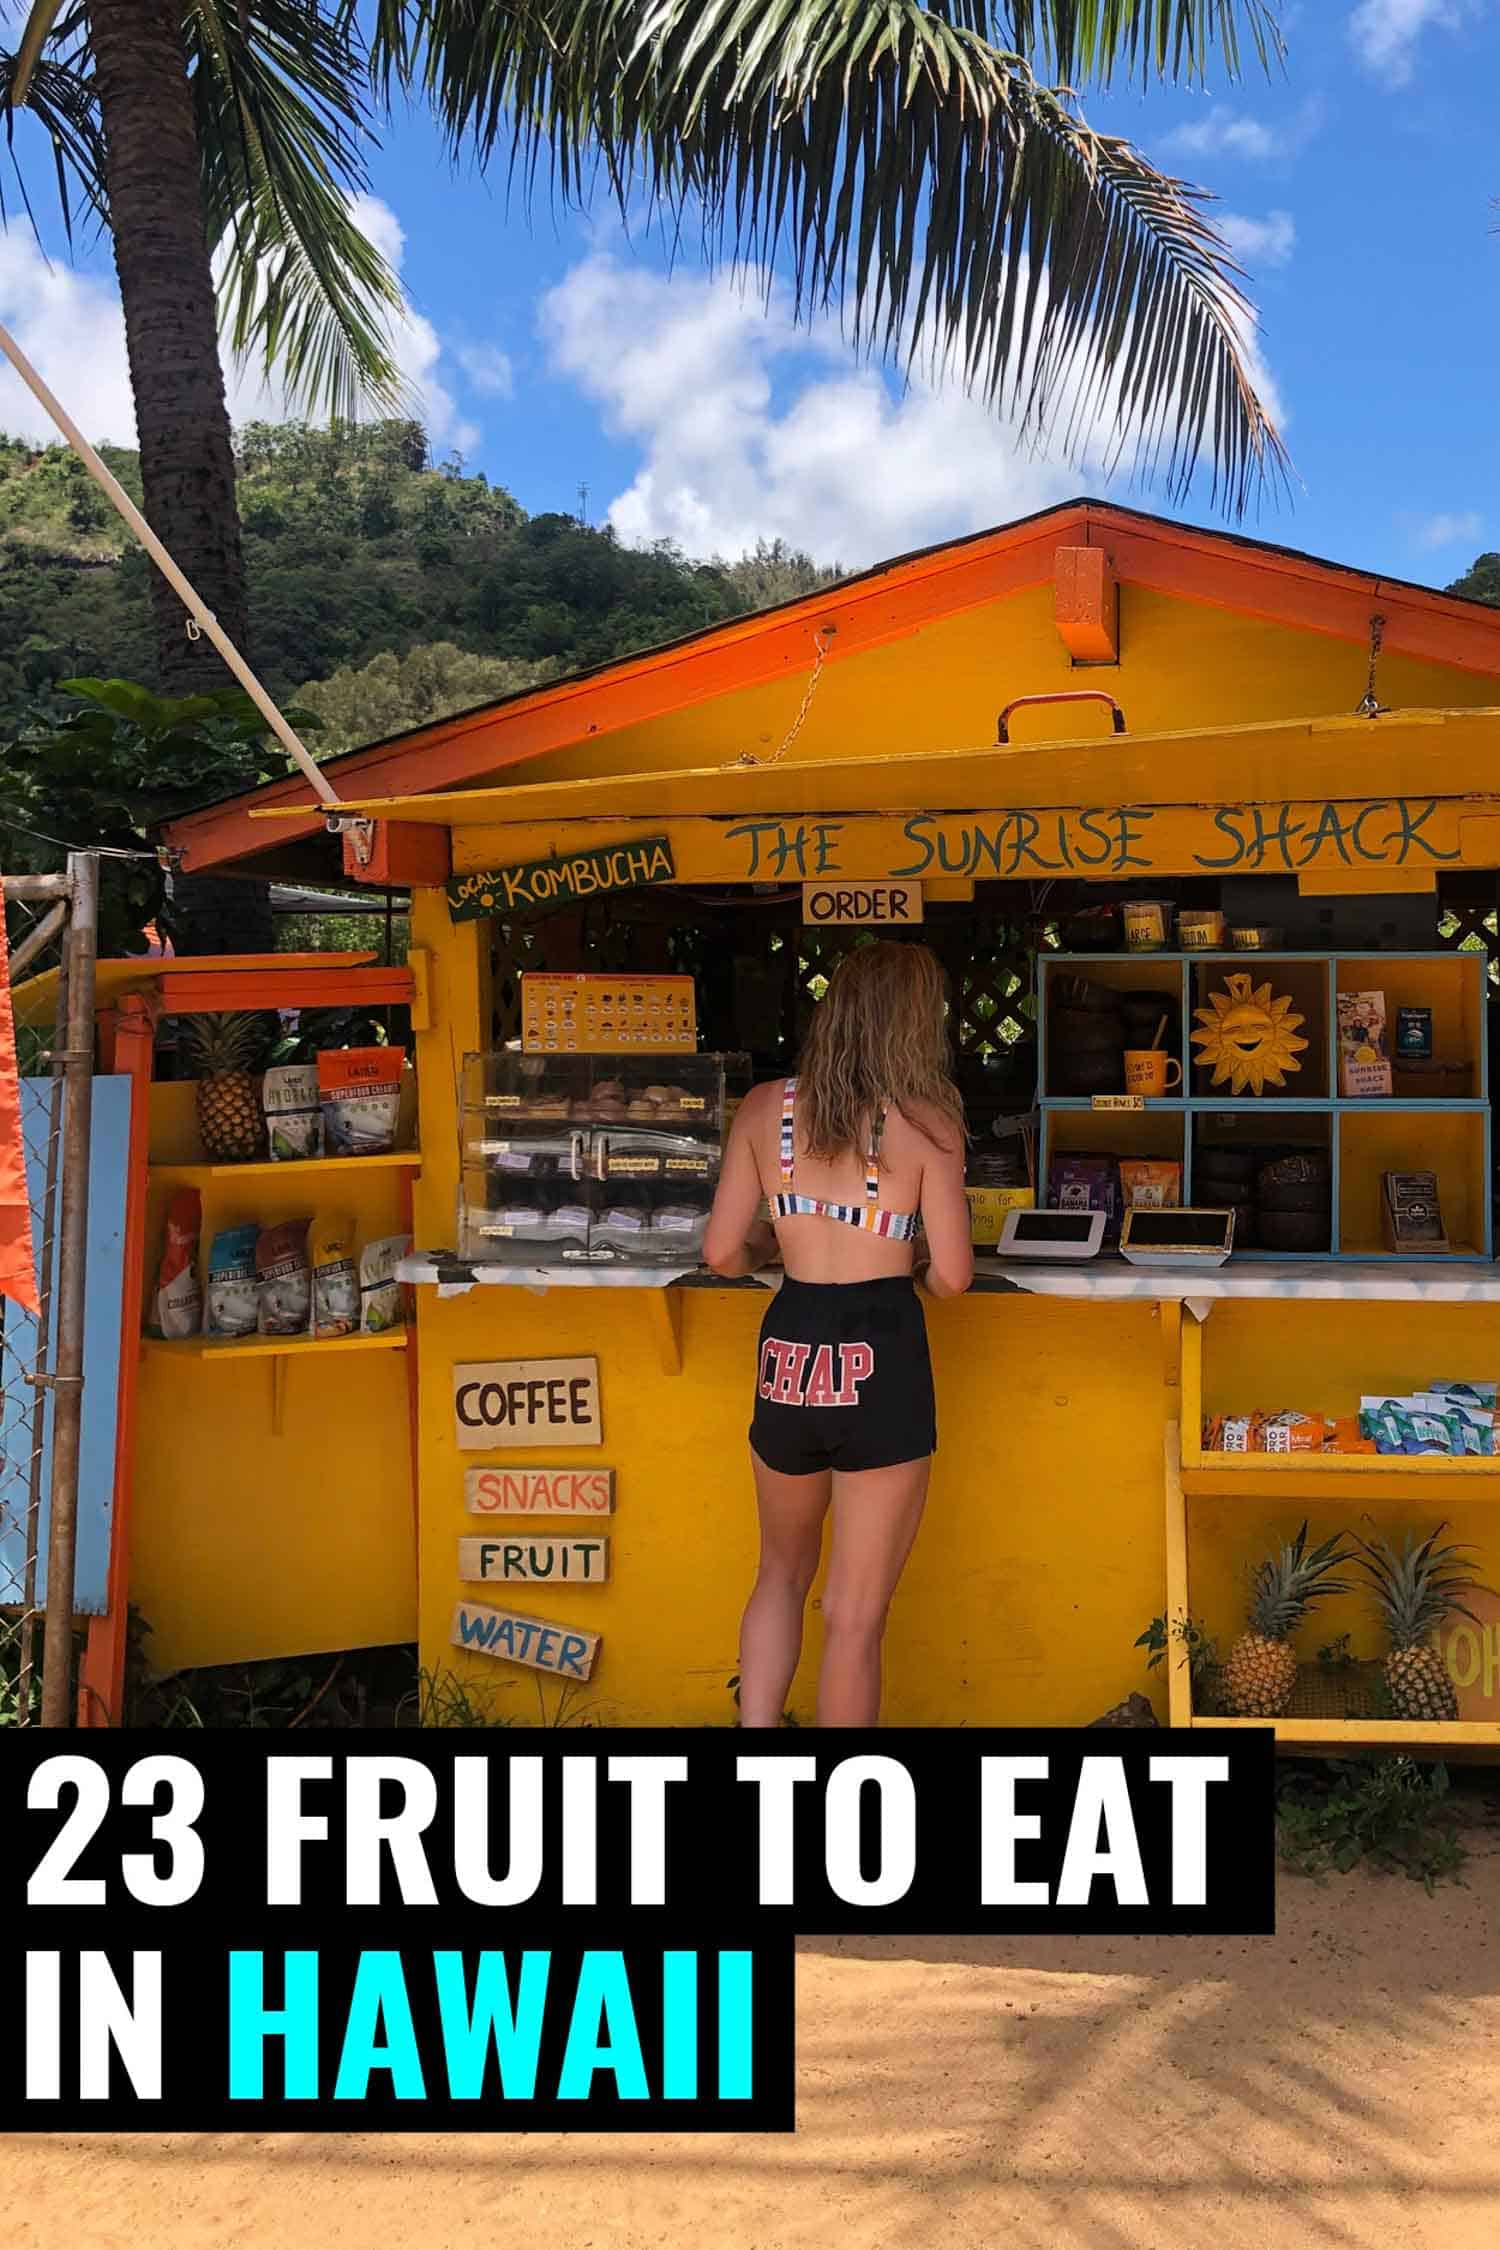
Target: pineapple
{"x":1260,"y":1670}
{"x":225,"y":1053}
{"x":1414,"y":1590}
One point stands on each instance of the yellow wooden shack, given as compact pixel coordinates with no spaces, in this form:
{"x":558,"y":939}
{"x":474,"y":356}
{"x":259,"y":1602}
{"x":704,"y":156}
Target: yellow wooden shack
{"x":1089,"y":707}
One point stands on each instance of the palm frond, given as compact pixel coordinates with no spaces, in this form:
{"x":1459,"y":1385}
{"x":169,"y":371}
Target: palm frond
{"x":280,"y":89}
{"x":1093,"y":41}
{"x":56,"y":88}
{"x":905,"y":171}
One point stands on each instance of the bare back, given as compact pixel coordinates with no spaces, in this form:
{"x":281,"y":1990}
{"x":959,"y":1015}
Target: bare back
{"x":917,"y":1173}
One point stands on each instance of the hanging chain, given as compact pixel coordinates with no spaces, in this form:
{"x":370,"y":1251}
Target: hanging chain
{"x":1369,"y":705}
{"x":821,"y":640}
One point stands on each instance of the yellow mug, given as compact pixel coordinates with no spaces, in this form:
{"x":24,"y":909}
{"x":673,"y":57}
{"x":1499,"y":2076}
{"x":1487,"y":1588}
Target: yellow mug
{"x":1147,"y":1069}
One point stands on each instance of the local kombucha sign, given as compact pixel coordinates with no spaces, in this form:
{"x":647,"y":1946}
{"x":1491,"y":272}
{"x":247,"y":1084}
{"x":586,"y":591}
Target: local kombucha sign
{"x":1470,"y":1648}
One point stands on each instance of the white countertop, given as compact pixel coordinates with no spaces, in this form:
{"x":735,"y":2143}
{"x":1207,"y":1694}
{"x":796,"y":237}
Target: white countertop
{"x":1392,"y":1281}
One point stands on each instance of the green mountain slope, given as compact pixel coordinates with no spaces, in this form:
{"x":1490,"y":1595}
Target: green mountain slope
{"x":357,"y":547}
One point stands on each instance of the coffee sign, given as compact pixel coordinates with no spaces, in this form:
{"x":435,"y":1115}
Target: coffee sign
{"x":500,"y":1402}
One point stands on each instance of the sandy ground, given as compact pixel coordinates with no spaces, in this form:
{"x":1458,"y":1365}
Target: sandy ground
{"x":1338,"y":2084}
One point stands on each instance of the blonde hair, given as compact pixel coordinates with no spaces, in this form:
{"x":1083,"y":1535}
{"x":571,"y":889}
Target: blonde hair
{"x":878,"y":1036}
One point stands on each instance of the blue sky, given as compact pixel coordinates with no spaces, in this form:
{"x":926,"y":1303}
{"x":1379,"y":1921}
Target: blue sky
{"x":1357,"y":185}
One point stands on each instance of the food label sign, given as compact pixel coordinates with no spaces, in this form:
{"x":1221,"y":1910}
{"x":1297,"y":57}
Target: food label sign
{"x":539,"y":1492}
{"x":544,"y":1644}
{"x":515,"y":1557}
{"x":541,"y":882}
{"x":500,"y":1402}
{"x":844,"y":905}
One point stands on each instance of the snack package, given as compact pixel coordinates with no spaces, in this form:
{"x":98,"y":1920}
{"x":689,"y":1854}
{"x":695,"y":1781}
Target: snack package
{"x":285,"y":1307}
{"x":1242,"y":1433}
{"x":335,"y":1278}
{"x":1364,"y":1062}
{"x":1086,"y":1183}
{"x":359,"y":1089}
{"x":1149,"y":1183}
{"x":233,"y":1293}
{"x":177,"y":1307}
{"x":1292,"y":1433}
{"x":294,"y":1121}
{"x":1213,"y":1433}
{"x":1342,"y":1435}
{"x":380,"y":1299}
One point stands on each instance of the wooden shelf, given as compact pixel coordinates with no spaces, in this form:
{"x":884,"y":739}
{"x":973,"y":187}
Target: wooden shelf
{"x":230,"y":1348}
{"x":1405,"y":1734}
{"x":199,"y":1175}
{"x":1332,"y":1476}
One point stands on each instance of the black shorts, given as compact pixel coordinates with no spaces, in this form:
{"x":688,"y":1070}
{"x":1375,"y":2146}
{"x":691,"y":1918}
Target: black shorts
{"x":843,"y":1378}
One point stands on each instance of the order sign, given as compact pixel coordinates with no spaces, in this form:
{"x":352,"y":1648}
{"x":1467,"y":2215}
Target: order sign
{"x":526,"y":1402}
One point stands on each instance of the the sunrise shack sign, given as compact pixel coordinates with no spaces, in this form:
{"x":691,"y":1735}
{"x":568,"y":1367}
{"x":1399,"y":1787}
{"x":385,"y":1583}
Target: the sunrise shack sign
{"x":546,"y":882}
{"x":1103,"y":843}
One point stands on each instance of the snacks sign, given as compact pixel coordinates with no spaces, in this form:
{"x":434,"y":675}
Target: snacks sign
{"x":542,"y":882}
{"x":498,"y":1402}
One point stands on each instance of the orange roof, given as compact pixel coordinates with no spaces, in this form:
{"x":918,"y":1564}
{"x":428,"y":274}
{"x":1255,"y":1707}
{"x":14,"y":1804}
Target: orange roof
{"x":886,"y":603}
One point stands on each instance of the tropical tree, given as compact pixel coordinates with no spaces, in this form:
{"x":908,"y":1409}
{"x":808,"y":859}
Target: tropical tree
{"x":918,"y":164}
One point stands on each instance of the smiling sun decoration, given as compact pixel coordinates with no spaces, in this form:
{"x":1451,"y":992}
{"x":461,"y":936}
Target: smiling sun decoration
{"x":1249,"y":1038}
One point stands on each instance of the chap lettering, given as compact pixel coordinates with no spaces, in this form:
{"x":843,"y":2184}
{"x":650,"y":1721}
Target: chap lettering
{"x":801,"y":1375}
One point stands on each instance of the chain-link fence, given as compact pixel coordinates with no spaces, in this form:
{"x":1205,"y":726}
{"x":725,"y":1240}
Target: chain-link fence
{"x":49,"y":927}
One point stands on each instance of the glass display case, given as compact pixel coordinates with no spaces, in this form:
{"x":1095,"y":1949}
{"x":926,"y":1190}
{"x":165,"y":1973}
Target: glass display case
{"x":593,"y":1158}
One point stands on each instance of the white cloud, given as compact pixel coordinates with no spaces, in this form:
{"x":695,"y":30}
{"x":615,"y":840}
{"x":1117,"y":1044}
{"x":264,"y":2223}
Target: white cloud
{"x":1385,"y":32}
{"x":69,"y":324}
{"x":1226,"y":133}
{"x":1259,"y":242}
{"x":1452,"y":530}
{"x":749,"y":427}
{"x":487,"y":369}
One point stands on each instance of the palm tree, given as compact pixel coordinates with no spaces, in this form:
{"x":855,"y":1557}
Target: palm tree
{"x":909,"y":162}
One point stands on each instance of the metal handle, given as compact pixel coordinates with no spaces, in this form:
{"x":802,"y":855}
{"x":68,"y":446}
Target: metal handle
{"x":575,"y":1156}
{"x":601,"y":1168}
{"x":1059,"y":695}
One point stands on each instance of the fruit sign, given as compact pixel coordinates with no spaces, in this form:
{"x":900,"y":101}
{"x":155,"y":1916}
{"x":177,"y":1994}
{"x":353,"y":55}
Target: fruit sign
{"x":1470,"y":1648}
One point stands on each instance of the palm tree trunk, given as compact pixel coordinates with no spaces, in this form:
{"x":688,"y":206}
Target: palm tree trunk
{"x":152,"y":180}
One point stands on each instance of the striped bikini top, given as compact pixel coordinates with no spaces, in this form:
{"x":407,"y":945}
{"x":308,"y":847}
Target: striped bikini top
{"x":900,"y":1226}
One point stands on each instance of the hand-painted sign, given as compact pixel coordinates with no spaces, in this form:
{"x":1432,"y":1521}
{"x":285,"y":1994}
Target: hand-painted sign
{"x":546,"y":1647}
{"x":539,"y":882}
{"x":1470,"y":1648}
{"x":526,"y":1402}
{"x":845,"y":904}
{"x":520,"y":1558}
{"x":1099,"y":842}
{"x":539,"y":1492}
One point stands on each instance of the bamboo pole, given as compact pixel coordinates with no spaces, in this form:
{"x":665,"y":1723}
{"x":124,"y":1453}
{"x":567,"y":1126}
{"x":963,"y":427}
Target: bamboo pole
{"x":37,"y":886}
{"x":22,"y":955}
{"x":72,"y":1269}
{"x":201,"y":616}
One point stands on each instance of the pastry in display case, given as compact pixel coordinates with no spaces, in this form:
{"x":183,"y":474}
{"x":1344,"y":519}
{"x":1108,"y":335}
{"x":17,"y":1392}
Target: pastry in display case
{"x":600,"y":1159}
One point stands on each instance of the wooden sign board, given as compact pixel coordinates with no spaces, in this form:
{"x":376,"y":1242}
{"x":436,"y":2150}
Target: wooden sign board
{"x":1119,"y":1101}
{"x":539,"y":1492}
{"x":541,"y":1643}
{"x":1471,"y":1651}
{"x":845,"y":905}
{"x":515,"y":1558}
{"x":498,"y":1402}
{"x":541,"y":882}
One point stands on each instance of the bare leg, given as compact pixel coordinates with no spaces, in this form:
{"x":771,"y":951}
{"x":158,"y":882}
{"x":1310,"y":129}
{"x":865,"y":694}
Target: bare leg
{"x":791,"y":1539}
{"x":875,"y":1517}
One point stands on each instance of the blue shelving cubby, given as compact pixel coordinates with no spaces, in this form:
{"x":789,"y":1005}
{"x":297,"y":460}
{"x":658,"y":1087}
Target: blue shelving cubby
{"x":1446,"y":1130}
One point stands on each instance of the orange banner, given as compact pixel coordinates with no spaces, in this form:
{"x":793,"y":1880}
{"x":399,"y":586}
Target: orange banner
{"x":17,"y":1263}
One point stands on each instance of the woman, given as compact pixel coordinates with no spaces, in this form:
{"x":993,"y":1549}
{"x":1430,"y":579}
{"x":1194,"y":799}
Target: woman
{"x":855,"y":1155}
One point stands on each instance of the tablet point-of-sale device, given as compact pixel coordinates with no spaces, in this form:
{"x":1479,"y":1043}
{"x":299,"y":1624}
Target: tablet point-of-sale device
{"x":1051,"y":1234}
{"x":1181,"y":1239}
